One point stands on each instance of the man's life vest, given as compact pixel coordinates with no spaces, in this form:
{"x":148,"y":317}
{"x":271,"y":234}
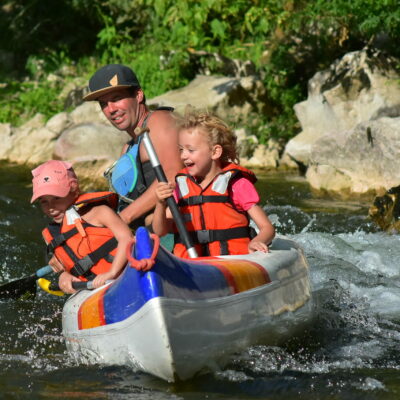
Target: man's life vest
{"x":83,"y":249}
{"x":213,"y":222}
{"x":129,"y":177}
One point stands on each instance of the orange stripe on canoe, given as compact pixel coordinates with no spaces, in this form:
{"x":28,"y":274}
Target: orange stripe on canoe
{"x":91,"y":312}
{"x":242,"y":274}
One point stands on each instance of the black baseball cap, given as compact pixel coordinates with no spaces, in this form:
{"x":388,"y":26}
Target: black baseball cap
{"x":110,"y":77}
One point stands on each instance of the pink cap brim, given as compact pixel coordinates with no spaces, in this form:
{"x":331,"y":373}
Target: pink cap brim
{"x":50,"y":190}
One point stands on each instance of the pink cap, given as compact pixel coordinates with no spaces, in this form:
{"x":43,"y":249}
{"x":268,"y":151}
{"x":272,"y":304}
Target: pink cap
{"x":52,"y":178}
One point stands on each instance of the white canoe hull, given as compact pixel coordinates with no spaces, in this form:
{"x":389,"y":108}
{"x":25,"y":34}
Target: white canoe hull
{"x":175,"y":338}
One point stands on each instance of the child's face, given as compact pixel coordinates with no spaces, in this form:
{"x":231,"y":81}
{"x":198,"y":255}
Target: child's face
{"x":55,"y":207}
{"x":196,"y":154}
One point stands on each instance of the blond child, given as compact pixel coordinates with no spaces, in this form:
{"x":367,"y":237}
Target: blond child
{"x":215,"y":195}
{"x":86,"y":238}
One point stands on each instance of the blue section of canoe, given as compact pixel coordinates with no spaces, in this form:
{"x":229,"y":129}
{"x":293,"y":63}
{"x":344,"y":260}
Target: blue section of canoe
{"x":170,"y":277}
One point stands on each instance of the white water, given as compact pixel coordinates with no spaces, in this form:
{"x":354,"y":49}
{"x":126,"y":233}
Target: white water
{"x":350,"y":352}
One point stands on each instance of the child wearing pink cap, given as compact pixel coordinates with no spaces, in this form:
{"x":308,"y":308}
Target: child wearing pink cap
{"x":86,"y":238}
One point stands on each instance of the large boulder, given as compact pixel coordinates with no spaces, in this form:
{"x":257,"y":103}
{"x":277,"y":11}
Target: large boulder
{"x":233,"y":99}
{"x":90,"y":141}
{"x":360,"y":161}
{"x":362,"y":86}
{"x":92,"y":148}
{"x":30,"y":143}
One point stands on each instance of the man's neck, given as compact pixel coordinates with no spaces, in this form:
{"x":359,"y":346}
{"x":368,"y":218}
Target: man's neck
{"x":143,"y":112}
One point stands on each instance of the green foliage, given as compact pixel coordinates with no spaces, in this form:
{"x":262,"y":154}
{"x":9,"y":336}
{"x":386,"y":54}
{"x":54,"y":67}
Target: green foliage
{"x":287,"y":40}
{"x":21,"y":101}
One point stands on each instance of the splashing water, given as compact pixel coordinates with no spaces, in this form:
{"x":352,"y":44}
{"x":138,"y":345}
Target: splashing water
{"x":349,"y":352}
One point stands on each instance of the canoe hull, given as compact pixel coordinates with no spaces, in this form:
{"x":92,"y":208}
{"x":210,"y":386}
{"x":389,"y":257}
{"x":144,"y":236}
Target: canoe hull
{"x":174,"y":336}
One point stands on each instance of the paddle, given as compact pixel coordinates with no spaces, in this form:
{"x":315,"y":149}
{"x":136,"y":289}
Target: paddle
{"x":53,"y":288}
{"x":19,"y":287}
{"x":155,"y":162}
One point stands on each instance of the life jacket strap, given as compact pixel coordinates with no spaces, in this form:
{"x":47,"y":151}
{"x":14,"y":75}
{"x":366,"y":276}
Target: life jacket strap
{"x":212,"y":235}
{"x":60,"y":238}
{"x":83,"y":266}
{"x":197,"y":200}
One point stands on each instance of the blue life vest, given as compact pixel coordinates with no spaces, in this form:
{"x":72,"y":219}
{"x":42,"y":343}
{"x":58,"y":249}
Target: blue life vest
{"x":129,"y":177}
{"x":125,"y":173}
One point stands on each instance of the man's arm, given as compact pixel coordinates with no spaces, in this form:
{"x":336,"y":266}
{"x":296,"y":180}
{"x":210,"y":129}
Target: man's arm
{"x":164,"y":136}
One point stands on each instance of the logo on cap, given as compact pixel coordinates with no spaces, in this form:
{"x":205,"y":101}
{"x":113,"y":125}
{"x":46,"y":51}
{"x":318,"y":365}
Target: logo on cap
{"x":114,"y":80}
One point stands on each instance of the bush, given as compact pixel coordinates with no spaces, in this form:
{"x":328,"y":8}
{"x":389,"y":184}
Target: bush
{"x":287,"y":40}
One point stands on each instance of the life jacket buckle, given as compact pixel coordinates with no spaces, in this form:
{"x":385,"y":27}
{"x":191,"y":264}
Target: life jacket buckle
{"x":82,"y":266}
{"x":203,"y":236}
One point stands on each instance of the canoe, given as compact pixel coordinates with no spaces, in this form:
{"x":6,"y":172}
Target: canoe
{"x":185,"y":317}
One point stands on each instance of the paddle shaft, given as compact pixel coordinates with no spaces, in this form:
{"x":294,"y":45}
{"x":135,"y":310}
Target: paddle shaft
{"x":20,"y":287}
{"x":76,"y":285}
{"x":158,"y":170}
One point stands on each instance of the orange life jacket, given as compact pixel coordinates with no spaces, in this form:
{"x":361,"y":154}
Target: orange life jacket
{"x":83,"y":249}
{"x":214,"y":224}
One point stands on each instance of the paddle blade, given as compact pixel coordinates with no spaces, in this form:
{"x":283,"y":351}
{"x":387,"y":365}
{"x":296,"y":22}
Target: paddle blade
{"x":19,"y":288}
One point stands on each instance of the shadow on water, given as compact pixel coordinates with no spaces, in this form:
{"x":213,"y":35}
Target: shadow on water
{"x":350,"y":351}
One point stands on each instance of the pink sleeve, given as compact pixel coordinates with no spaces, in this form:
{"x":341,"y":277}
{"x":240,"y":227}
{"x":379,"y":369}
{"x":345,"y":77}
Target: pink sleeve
{"x":244,"y":194}
{"x":176,"y":193}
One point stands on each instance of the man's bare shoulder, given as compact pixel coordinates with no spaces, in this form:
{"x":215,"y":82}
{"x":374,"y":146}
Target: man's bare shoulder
{"x":162,"y":120}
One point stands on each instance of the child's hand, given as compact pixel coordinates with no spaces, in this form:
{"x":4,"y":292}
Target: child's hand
{"x":164,"y":190}
{"x":55,"y":265}
{"x":65,"y":282}
{"x":101,"y":279}
{"x":255,"y":245}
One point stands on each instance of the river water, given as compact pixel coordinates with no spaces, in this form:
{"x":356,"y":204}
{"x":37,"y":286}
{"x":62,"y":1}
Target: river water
{"x":350,"y":352}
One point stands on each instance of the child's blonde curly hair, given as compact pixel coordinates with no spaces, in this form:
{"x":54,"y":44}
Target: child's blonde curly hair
{"x":217,"y":131}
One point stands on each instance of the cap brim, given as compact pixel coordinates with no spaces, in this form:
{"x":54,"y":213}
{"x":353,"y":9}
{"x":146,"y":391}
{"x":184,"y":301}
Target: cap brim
{"x":97,"y":93}
{"x":50,"y":190}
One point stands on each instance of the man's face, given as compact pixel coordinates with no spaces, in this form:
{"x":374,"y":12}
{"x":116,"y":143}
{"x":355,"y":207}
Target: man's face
{"x":121,"y":108}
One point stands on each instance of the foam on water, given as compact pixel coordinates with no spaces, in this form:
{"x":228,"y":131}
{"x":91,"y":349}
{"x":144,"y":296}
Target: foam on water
{"x":350,"y":350}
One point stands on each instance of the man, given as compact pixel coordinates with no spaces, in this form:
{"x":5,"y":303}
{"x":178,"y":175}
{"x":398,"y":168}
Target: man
{"x":123,"y":102}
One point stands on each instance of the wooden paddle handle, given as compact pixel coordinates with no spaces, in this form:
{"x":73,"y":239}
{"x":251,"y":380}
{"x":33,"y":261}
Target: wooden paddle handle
{"x":140,"y":131}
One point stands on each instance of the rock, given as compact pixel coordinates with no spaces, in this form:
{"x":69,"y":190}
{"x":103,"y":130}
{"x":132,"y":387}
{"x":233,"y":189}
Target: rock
{"x":90,"y":174}
{"x":325,"y":179}
{"x":362,"y":86}
{"x":59,"y":122}
{"x":88,"y":112}
{"x":362,"y":161}
{"x":5,"y":139}
{"x":246,"y":143}
{"x":73,"y":92}
{"x":385,"y":211}
{"x":38,"y":121}
{"x":32,"y":145}
{"x":206,"y":63}
{"x":86,"y":138}
{"x":266,"y":156}
{"x":89,"y":142}
{"x":288,"y":163}
{"x":233,"y":99}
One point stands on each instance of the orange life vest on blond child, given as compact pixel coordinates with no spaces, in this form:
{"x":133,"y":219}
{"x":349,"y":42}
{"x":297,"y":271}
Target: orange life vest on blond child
{"x":213,"y":222}
{"x":83,"y":249}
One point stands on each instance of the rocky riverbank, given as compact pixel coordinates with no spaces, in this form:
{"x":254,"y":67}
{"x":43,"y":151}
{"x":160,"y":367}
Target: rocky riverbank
{"x":348,"y":146}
